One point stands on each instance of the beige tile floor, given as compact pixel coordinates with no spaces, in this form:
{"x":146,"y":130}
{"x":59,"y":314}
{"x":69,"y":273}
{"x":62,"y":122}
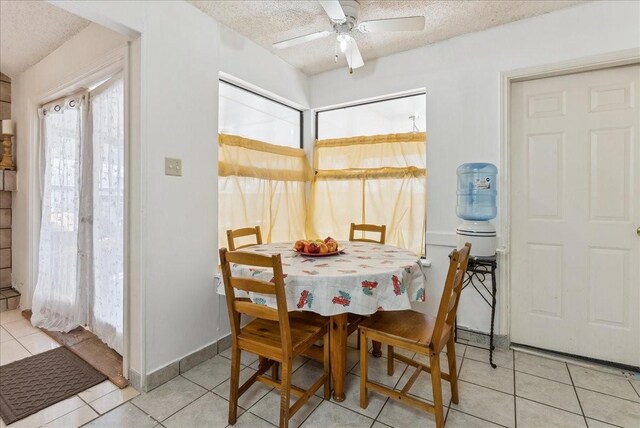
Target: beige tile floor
{"x":525,"y":389}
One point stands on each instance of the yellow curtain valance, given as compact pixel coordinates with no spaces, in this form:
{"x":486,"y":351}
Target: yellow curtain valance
{"x":391,"y":151}
{"x":244,"y":157}
{"x":260,"y":146}
{"x":408,"y":137}
{"x":371,"y":173}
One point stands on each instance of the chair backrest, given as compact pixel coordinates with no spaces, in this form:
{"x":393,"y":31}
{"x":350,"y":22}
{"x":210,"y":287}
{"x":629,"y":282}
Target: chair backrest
{"x":238,"y":306}
{"x":239,"y":233}
{"x":367,"y":228}
{"x":450,"y":295}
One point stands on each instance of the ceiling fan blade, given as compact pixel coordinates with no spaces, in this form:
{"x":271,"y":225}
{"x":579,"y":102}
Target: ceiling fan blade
{"x":333,"y":9}
{"x":352,"y":53}
{"x":410,"y":23}
{"x":302,"y":39}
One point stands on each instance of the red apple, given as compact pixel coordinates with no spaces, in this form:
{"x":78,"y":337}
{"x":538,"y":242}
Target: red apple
{"x":313,"y":248}
{"x":299,"y":245}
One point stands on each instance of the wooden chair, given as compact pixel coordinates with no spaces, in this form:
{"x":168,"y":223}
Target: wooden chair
{"x":367,"y":228}
{"x":355,"y":320}
{"x":423,"y":335}
{"x":239,"y":233}
{"x":273,"y":335}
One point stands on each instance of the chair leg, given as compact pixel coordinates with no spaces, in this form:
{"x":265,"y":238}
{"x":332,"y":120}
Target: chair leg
{"x":274,"y":370}
{"x":436,"y":383}
{"x":234,"y":384}
{"x":390,"y":365}
{"x":358,"y":343}
{"x":285,"y":393}
{"x":327,"y":367}
{"x":453,"y":369}
{"x":364,"y":402}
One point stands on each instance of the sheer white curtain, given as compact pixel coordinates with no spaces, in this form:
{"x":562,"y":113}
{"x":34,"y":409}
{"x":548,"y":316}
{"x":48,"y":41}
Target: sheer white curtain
{"x":106,"y":301}
{"x":59,"y":302}
{"x":80,"y":279}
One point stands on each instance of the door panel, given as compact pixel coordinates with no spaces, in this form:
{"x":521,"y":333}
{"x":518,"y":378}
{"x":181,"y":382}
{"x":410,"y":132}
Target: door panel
{"x":545,"y":273}
{"x":610,"y":178}
{"x":545,"y":175}
{"x":575,"y":204}
{"x":607,"y":304}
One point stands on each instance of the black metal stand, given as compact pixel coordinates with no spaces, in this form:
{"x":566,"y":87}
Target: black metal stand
{"x":477,"y":271}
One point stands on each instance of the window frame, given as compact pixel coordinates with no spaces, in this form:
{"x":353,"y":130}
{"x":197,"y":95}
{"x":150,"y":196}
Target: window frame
{"x":300,"y":112}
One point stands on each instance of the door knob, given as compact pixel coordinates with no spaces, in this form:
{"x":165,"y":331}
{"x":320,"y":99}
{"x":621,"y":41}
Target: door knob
{"x":638,"y":231}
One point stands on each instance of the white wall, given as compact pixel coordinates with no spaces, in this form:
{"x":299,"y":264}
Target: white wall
{"x":463,"y":85}
{"x":182,"y":53}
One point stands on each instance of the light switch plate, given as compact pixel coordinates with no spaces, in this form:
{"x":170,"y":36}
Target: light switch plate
{"x":173,"y":167}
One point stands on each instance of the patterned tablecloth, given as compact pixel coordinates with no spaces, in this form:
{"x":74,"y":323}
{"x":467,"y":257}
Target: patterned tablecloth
{"x":364,"y":279}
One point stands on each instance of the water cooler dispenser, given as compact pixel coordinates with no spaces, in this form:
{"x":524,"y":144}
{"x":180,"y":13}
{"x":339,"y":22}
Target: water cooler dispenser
{"x":476,"y":206}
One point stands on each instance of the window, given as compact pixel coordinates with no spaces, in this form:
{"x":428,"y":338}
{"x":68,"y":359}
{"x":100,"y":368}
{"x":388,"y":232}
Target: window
{"x":262,"y":169}
{"x":370,"y":167}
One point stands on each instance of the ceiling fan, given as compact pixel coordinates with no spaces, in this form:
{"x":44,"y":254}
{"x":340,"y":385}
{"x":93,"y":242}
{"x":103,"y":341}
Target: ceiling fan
{"x":343,"y":15}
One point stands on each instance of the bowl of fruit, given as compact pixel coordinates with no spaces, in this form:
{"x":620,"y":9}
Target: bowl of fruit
{"x":318,"y":247}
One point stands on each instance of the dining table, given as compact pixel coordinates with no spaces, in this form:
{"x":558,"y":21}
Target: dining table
{"x":362,"y":278}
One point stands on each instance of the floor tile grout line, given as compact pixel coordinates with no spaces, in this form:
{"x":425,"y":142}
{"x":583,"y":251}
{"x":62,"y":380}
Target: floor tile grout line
{"x":348,"y":408}
{"x":608,"y":395}
{"x":606,"y":423}
{"x":459,"y":369}
{"x":478,"y":417}
{"x":188,"y":404}
{"x":257,"y":416}
{"x":487,"y":363}
{"x":380,"y":411}
{"x":114,"y":408}
{"x":137,"y":407}
{"x":549,"y":405}
{"x":540,"y":377}
{"x":484,"y":361}
{"x":313,"y":411}
{"x":577,"y":396}
{"x":487,"y":387}
{"x":344,"y":407}
{"x":172,"y":414}
{"x":89,"y":404}
{"x":515,"y":391}
{"x":633,"y":387}
{"x":57,"y":417}
{"x":9,"y":333}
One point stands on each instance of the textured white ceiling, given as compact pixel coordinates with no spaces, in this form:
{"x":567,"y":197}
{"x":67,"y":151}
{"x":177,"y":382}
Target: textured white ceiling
{"x":31,"y":30}
{"x":269,"y":21}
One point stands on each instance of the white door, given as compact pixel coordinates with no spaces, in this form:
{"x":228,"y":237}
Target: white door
{"x":575,"y":203}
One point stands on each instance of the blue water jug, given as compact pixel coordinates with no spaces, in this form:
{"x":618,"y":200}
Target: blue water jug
{"x":477,"y":191}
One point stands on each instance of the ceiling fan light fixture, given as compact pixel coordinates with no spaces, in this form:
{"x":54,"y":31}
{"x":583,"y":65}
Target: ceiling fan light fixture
{"x":343,"y":40}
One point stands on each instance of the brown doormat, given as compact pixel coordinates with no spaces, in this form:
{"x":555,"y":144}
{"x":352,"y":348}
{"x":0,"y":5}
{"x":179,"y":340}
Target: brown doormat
{"x":90,"y":348}
{"x":33,"y":383}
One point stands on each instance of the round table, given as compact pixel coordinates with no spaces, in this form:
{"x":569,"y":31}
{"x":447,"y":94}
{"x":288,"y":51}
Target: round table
{"x":364,"y":279}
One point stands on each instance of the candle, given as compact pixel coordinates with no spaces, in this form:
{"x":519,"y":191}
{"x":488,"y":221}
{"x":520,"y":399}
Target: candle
{"x":7,"y":127}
